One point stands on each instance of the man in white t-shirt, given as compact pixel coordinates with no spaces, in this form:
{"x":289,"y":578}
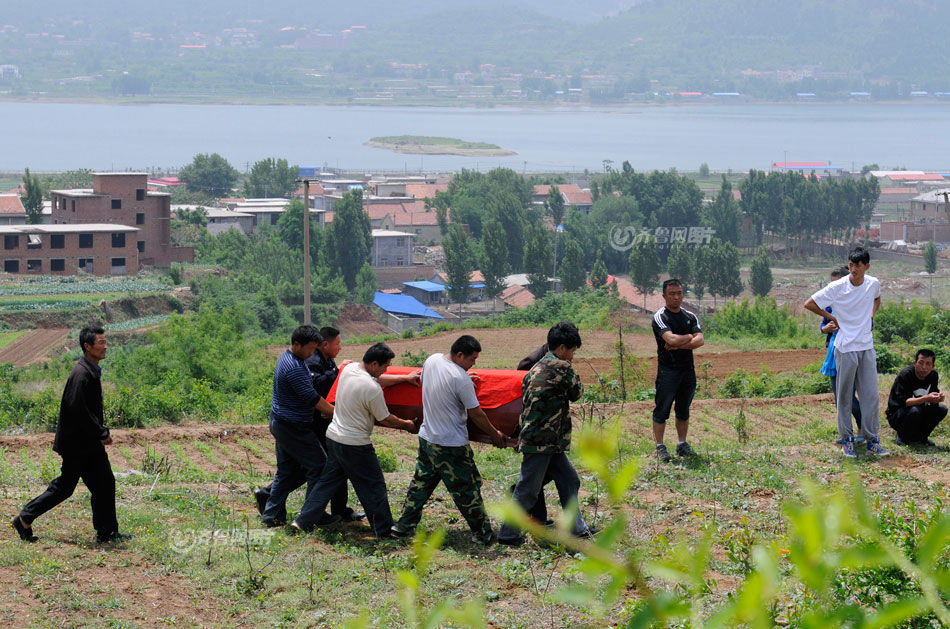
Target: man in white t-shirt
{"x":854,"y":299}
{"x":360,"y":405}
{"x":448,"y":402}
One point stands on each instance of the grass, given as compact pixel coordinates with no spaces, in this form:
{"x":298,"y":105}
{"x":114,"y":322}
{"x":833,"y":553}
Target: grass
{"x":264,"y":577}
{"x":8,"y":337}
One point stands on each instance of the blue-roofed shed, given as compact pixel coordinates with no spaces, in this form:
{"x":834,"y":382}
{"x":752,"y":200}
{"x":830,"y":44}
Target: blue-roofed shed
{"x":403,"y":312}
{"x":425,"y":291}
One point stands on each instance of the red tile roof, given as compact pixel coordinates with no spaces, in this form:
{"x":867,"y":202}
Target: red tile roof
{"x":630,"y":294}
{"x":517,"y":296}
{"x":11,"y":204}
{"x":917,"y":177}
{"x":423,"y":190}
{"x":404,"y":214}
{"x":474,"y":278}
{"x":580,"y":197}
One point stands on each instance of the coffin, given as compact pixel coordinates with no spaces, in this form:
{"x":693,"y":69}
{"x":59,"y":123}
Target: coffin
{"x":498,"y":391}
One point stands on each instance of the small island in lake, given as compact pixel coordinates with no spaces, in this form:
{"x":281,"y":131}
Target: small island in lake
{"x":429,"y":145}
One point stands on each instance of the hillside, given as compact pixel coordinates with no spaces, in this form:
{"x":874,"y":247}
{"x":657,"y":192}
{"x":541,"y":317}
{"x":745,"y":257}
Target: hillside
{"x":764,"y":48}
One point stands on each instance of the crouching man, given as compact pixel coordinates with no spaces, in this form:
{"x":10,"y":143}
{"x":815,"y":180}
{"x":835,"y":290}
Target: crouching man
{"x":914,"y":406}
{"x":544,"y":431}
{"x":350,"y":454}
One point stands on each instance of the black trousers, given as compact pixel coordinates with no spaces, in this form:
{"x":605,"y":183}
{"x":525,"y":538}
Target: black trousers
{"x":338,"y":501}
{"x":913,"y":424}
{"x":93,"y":467}
{"x":359,"y":465}
{"x":673,"y":386}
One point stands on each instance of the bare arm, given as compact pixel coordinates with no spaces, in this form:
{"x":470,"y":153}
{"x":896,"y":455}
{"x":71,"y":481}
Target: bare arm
{"x":677,"y":340}
{"x":829,"y":327}
{"x":811,"y":306}
{"x":698,"y":341}
{"x":877,"y":304}
{"x":389,"y":379}
{"x":930,"y":398}
{"x":394,"y":422}
{"x":324,"y":407}
{"x":480,"y":419}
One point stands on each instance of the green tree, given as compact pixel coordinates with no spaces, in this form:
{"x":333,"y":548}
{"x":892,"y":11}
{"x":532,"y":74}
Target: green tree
{"x":930,"y":257}
{"x":440,"y":203}
{"x":554,"y":206}
{"x":679,"y":265}
{"x":211,"y":174}
{"x":724,"y":215}
{"x":271,"y":178}
{"x":32,"y":198}
{"x":349,"y":238}
{"x":459,"y":263}
{"x":760,"y":275}
{"x":645,"y":266}
{"x":366,"y":284}
{"x":572,"y":266}
{"x":700,"y":268}
{"x":495,"y":266}
{"x":723,"y":269}
{"x":598,"y":274}
{"x":290,"y":229}
{"x":537,"y":252}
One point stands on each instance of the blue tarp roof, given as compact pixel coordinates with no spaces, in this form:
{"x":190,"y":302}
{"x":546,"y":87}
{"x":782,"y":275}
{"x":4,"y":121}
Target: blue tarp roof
{"x":429,"y":287}
{"x":404,"y":304}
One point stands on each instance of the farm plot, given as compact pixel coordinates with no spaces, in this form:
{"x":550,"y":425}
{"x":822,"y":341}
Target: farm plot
{"x":184,"y":492}
{"x":33,"y":346}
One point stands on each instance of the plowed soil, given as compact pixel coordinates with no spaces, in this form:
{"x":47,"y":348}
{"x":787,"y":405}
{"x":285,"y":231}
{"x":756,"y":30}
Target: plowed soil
{"x":33,"y":346}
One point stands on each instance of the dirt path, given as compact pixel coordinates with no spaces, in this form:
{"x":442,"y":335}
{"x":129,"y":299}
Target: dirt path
{"x":33,"y":346}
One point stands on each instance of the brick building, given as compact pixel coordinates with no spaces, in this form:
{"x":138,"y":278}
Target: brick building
{"x":94,"y":248}
{"x":124,"y":199}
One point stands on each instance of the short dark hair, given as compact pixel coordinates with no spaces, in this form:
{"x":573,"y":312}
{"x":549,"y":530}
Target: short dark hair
{"x":329,"y":333}
{"x":87,"y":336}
{"x":467,"y":344}
{"x":564,"y":333}
{"x":860,"y":255}
{"x":840,"y":271}
{"x":378,"y":353}
{"x":926,"y":353}
{"x":671,"y":282}
{"x":305,"y":334}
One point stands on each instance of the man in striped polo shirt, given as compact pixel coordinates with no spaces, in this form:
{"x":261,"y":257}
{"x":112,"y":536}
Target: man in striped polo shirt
{"x":299,"y":452}
{"x":677,"y":334}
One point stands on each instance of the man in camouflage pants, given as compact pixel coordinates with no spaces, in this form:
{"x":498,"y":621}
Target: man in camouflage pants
{"x":544,"y":432}
{"x":448,"y":402}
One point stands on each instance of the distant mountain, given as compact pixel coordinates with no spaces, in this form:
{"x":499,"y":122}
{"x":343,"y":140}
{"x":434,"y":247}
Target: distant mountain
{"x":765,"y":47}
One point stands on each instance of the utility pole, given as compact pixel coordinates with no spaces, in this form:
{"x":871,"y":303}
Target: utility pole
{"x":306,"y":252}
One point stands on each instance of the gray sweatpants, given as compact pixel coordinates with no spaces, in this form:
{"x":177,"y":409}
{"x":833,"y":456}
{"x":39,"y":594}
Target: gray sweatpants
{"x":857,"y":373}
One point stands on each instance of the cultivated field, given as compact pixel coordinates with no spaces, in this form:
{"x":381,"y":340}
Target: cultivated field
{"x":176,"y":484}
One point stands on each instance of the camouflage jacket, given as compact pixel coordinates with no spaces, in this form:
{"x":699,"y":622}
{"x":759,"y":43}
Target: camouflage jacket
{"x":546,"y":393}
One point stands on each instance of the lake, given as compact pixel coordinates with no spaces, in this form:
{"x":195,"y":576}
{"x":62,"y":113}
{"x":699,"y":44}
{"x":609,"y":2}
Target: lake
{"x":61,"y":136}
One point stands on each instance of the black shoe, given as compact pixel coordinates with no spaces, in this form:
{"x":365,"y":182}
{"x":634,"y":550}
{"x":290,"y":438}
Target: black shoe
{"x":485,"y":539}
{"x":273,"y":523}
{"x":328,"y":519}
{"x":352,"y":516}
{"x":513,"y":541}
{"x":899,"y":441}
{"x":662,"y":453}
{"x":114,"y":537}
{"x":683,"y":450}
{"x":25,"y":532}
{"x":588,"y":534}
{"x":401,"y":533}
{"x":260,"y":497}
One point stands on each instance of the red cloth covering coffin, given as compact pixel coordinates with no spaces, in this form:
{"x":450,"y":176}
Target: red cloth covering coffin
{"x":498,"y":391}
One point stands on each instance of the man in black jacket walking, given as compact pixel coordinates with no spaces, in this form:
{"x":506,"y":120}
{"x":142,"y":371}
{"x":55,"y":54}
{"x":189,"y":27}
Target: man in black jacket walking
{"x":81,"y":437}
